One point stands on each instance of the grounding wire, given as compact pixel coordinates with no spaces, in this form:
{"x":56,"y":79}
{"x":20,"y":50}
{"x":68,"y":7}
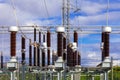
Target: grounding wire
{"x":46,"y":9}
{"x":16,"y":18}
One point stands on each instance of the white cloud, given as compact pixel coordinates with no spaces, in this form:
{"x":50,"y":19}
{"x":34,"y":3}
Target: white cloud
{"x":91,"y":8}
{"x":99,"y":19}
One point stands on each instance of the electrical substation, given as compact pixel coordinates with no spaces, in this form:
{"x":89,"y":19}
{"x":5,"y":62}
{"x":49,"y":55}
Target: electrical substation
{"x":46,"y":64}
{"x":55,"y":52}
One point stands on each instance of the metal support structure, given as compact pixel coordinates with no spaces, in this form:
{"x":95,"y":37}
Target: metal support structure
{"x":66,"y":17}
{"x":59,"y":76}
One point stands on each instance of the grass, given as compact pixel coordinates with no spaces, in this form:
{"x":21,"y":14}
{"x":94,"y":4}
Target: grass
{"x":32,"y":76}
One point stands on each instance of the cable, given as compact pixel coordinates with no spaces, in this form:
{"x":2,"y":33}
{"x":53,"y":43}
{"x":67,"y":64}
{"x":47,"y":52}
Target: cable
{"x":107,"y":14}
{"x":46,"y":9}
{"x":16,"y":18}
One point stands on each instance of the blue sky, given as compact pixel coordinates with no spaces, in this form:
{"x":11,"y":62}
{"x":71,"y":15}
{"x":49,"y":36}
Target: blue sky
{"x":92,"y":13}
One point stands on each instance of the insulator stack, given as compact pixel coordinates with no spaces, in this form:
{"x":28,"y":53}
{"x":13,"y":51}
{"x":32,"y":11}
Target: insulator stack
{"x":76,"y":37}
{"x":60,"y":43}
{"x":43,"y":37}
{"x":43,"y":58}
{"x":48,"y":39}
{"x":75,"y":58}
{"x":30,"y":54}
{"x":103,"y":53}
{"x":34,"y":34}
{"x":64,"y":42}
{"x":106,"y":44}
{"x":79,"y":59}
{"x":48,"y":45}
{"x":35,"y":48}
{"x":35,"y":56}
{"x":70,"y":53}
{"x":38,"y":50}
{"x":23,"y":49}
{"x":105,"y":39}
{"x":13,"y":43}
{"x":39,"y":37}
{"x":1,"y":60}
{"x":38,"y":57}
{"x":75,"y":55}
{"x":64,"y":47}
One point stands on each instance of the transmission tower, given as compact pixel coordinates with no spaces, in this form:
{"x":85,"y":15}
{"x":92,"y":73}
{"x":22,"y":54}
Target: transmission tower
{"x":66,"y":17}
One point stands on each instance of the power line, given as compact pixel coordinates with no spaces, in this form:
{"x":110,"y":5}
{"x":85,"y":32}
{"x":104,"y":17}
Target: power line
{"x":107,"y":14}
{"x":16,"y":18}
{"x":46,"y":9}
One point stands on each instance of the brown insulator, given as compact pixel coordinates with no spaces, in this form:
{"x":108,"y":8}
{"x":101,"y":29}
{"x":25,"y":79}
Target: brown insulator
{"x":1,"y":60}
{"x":64,"y":47}
{"x":48,"y":57}
{"x":23,"y":42}
{"x":70,"y":56}
{"x":13,"y":43}
{"x":43,"y":58}
{"x":23,"y":50}
{"x":40,"y":37}
{"x":64,"y":43}
{"x":48,"y":39}
{"x":38,"y":57}
{"x":64,"y":56}
{"x":76,"y":37}
{"x":30,"y":54}
{"x":34,"y":34}
{"x":106,"y":44}
{"x":75,"y":58}
{"x":43,"y":37}
{"x":103,"y":37}
{"x":35,"y":64}
{"x":48,"y":45}
{"x":35,"y":56}
{"x":59,"y":43}
{"x":38,"y":50}
{"x":79,"y":59}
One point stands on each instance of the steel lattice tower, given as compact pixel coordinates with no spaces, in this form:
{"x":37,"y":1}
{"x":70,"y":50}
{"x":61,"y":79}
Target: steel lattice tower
{"x":66,"y":17}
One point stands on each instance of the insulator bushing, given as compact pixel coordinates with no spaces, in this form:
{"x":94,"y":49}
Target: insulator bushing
{"x":35,"y":56}
{"x":23,"y":49}
{"x":75,"y":58}
{"x":40,"y":37}
{"x":30,"y":54}
{"x":64,"y":47}
{"x":13,"y":30}
{"x":23,"y":43}
{"x":38,"y":57}
{"x":59,"y":44}
{"x":103,"y":38}
{"x":79,"y":59}
{"x":64,"y":43}
{"x":1,"y":60}
{"x":48,"y":39}
{"x":13,"y":43}
{"x":76,"y":37}
{"x":48,"y":45}
{"x":106,"y":45}
{"x":70,"y":56}
{"x":48,"y":56}
{"x":43,"y":37}
{"x":43,"y":58}
{"x":34,"y":34}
